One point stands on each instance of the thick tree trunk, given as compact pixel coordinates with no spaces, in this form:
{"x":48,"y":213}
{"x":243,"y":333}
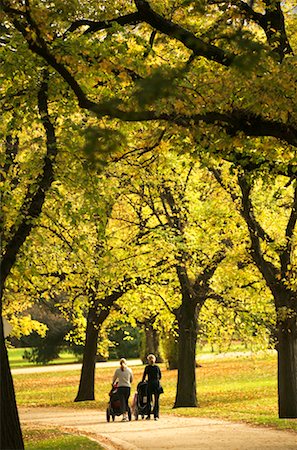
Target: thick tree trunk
{"x":86,"y":390}
{"x":287,"y":368}
{"x":186,"y":395}
{"x":11,"y":435}
{"x":286,"y":310}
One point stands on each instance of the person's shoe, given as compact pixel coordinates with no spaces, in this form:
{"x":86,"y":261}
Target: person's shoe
{"x":156,"y":418}
{"x":125,"y":419}
{"x":148,"y":418}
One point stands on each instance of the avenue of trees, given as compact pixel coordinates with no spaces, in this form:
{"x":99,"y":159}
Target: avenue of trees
{"x":148,"y":171}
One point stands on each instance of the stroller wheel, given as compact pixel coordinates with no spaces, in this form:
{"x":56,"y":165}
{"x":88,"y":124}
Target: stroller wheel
{"x":113,"y":417}
{"x":108,"y":415}
{"x":142,"y":417}
{"x":129,"y":414}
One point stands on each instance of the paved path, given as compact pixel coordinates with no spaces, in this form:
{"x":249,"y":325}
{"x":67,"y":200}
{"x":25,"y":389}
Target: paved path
{"x":168,"y":433}
{"x":131,"y":362}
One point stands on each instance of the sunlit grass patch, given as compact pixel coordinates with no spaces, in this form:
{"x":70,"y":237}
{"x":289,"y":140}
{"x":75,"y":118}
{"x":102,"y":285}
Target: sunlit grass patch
{"x":54,"y":439}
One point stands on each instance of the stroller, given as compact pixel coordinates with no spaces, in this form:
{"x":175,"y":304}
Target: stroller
{"x":114,"y":405}
{"x":141,"y":405}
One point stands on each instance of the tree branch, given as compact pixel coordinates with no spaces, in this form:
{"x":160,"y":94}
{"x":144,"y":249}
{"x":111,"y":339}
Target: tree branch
{"x":275,"y":30}
{"x":129,"y":19}
{"x":146,"y":14}
{"x":31,"y":33}
{"x":198,"y":46}
{"x":218,"y":176}
{"x":202,"y":280}
{"x":232,"y":122}
{"x":33,"y":203}
{"x":249,"y":12}
{"x":285,"y":256}
{"x":267,"y":269}
{"x":58,"y":235}
{"x":247,"y":211}
{"x":235,"y":121}
{"x":272,"y":23}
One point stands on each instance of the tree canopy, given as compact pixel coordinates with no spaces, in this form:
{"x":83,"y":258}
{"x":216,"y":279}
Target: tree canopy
{"x":161,"y":128}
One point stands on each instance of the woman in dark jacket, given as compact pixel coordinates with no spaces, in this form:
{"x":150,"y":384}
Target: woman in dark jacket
{"x":153,"y":374}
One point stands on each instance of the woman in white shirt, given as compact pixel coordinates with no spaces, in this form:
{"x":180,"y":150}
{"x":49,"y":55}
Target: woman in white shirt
{"x":124,"y":376}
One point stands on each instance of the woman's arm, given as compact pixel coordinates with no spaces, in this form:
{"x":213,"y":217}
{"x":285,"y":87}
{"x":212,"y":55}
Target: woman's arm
{"x":144,"y":374}
{"x":114,"y":377}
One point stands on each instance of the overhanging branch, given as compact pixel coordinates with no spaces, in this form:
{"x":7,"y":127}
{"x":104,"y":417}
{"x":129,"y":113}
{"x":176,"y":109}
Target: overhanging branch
{"x":232,"y":122}
{"x":235,"y":121}
{"x":267,"y":269}
{"x":33,"y":202}
{"x":285,"y":256}
{"x":192,"y":42}
{"x":93,"y":26}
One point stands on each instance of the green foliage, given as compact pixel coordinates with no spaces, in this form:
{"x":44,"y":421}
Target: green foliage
{"x":159,"y":84}
{"x":170,"y":349}
{"x":100,"y":143}
{"x":46,"y":348}
{"x":124,"y":342}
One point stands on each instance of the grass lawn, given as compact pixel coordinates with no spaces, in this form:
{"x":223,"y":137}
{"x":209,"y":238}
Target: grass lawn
{"x":54,"y":439}
{"x":239,"y":389}
{"x":16,"y":360}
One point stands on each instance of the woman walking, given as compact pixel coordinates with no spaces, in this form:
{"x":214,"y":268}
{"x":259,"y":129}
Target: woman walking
{"x":153,"y":374}
{"x":124,"y":376}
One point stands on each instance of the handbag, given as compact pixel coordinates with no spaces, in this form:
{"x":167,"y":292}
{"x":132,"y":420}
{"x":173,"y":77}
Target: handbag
{"x":160,"y":389}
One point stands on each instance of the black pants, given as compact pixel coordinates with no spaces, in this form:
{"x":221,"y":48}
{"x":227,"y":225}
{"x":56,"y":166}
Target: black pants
{"x":124,"y":394}
{"x":153,"y":394}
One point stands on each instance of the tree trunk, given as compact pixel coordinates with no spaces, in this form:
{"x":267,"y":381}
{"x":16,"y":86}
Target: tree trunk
{"x":152,"y":343}
{"x":284,"y":299}
{"x":286,"y":310}
{"x":86,"y":390}
{"x":98,"y":312}
{"x":287,"y":368}
{"x":186,"y":395}
{"x":11,"y":434}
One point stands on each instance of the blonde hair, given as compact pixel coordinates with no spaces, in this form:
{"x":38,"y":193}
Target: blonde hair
{"x":151,"y":358}
{"x":123,"y":363}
